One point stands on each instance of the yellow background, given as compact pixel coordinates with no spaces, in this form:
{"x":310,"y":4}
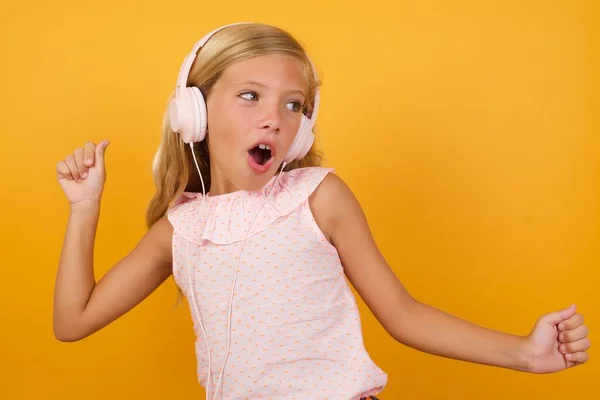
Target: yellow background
{"x":469,"y":130}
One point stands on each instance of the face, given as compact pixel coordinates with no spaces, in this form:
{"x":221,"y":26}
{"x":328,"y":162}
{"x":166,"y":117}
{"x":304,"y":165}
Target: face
{"x":254,"y":112}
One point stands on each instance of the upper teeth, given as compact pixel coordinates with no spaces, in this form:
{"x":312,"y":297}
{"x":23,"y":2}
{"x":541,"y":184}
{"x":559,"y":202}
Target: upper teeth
{"x":264,"y":146}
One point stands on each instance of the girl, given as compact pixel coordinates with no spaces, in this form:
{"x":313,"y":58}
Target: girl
{"x":261,"y":239}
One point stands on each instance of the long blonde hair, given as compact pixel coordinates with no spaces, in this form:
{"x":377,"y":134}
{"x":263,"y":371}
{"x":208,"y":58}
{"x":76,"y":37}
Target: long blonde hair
{"x":174,"y":169}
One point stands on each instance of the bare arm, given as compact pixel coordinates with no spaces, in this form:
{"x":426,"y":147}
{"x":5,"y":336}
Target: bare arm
{"x":82,"y":306}
{"x":407,"y":320}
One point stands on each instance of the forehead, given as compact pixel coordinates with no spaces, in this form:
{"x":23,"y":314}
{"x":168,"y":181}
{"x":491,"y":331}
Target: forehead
{"x":274,"y":70}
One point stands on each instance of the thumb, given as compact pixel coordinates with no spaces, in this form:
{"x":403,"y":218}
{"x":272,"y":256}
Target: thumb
{"x":557,"y":317}
{"x":100,"y":150}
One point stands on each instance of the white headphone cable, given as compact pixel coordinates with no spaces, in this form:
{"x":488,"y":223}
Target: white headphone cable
{"x":235,"y":279}
{"x":191,"y":279}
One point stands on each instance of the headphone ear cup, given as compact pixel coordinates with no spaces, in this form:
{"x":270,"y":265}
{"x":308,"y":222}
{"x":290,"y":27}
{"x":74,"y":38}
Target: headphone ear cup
{"x":307,"y":144}
{"x":298,"y":142}
{"x":179,"y":116}
{"x":200,"y":110}
{"x":187,"y":115}
{"x":305,"y":140}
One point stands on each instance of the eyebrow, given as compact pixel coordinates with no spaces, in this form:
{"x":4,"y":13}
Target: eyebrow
{"x":255,"y":83}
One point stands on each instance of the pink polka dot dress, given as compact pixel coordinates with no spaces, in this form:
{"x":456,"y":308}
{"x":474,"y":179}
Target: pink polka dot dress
{"x":295,"y":327}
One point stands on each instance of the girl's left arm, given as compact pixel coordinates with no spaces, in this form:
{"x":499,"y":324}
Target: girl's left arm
{"x":558,"y":340}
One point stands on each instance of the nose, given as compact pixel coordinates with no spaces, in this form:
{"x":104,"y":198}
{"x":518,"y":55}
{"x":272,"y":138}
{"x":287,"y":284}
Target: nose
{"x":270,"y":118}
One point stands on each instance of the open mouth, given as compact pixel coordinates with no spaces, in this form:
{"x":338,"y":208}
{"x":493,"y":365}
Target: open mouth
{"x":261,"y":154}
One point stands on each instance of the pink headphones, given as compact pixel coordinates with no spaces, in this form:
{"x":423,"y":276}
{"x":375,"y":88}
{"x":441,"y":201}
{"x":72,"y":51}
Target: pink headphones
{"x":188,"y":115}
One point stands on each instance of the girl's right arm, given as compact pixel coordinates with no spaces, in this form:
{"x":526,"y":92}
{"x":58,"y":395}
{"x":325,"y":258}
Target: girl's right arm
{"x":82,"y":306}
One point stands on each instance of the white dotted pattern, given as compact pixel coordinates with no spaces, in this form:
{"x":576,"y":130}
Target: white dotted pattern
{"x":295,"y":327}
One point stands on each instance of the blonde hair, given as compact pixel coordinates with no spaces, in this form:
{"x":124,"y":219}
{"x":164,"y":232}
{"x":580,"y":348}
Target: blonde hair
{"x":174,"y":169}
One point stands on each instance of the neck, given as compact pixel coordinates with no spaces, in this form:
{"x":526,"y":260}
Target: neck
{"x":218,"y":183}
{"x":218,"y":188}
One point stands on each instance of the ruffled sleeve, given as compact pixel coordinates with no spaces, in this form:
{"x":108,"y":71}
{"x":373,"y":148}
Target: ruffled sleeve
{"x":224,"y":219}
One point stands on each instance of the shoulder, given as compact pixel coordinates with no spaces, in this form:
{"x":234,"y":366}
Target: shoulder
{"x":330,"y":202}
{"x":162,"y":228}
{"x":331,"y":187}
{"x":307,"y":177}
{"x":317,"y":183}
{"x":160,"y":235}
{"x":298,"y":185}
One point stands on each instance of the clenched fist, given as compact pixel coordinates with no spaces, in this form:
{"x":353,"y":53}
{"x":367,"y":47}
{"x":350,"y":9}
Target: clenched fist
{"x":83,"y":173}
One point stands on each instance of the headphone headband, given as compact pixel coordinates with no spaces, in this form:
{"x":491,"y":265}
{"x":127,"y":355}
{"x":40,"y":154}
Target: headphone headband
{"x":186,"y":66}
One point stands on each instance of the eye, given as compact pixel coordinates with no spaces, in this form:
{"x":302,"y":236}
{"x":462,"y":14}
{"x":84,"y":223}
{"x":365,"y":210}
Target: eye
{"x":296,"y":106}
{"x":249,"y":96}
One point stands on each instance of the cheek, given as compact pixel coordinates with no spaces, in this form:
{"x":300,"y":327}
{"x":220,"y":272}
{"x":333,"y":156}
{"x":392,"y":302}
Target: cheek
{"x":223,"y":129}
{"x":229,"y":116}
{"x":292,"y":130}
{"x":227,"y":141}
